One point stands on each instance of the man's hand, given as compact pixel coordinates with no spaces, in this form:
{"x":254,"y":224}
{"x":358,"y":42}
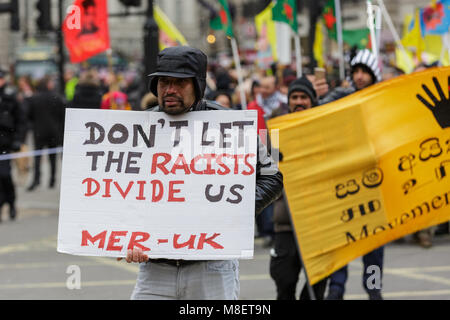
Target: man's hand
{"x":320,"y":85}
{"x":441,"y":108}
{"x":135,"y":255}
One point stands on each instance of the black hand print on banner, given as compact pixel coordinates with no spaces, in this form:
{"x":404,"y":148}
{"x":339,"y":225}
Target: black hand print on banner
{"x":441,"y":108}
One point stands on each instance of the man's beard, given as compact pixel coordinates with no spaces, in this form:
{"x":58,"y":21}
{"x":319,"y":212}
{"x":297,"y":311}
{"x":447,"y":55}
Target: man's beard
{"x":172,"y":110}
{"x":299,"y":107}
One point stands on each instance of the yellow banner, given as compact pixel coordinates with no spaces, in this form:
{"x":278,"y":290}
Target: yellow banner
{"x":367,"y":169}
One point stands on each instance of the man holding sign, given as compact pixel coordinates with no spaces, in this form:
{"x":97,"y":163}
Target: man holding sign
{"x":179,"y":84}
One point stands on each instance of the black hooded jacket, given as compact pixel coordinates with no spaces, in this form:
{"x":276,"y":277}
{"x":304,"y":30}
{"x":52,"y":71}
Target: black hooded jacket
{"x":12,"y":121}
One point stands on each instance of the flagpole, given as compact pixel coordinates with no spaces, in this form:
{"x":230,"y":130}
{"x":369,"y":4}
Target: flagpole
{"x":237,"y":62}
{"x":378,"y":23}
{"x":373,"y":38}
{"x":337,"y":8}
{"x":391,"y":26}
{"x":61,"y":60}
{"x":298,"y":54}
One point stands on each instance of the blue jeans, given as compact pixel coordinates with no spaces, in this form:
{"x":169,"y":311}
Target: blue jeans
{"x":203,"y":280}
{"x":339,"y":277}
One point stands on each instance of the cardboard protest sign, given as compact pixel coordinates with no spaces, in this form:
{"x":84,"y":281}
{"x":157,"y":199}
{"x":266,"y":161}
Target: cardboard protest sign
{"x":180,"y":187}
{"x":367,"y":169}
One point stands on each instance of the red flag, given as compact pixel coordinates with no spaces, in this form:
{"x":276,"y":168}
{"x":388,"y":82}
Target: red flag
{"x":85,"y":28}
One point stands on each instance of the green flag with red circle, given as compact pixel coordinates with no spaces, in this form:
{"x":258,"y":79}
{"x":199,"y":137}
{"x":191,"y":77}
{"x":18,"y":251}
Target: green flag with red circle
{"x":223,"y":20}
{"x":286,"y":11}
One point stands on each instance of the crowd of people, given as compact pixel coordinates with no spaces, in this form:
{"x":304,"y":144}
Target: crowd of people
{"x":37,"y":107}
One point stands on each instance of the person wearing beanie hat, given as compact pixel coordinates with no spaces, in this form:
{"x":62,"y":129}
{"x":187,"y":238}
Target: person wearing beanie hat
{"x":364,"y":69}
{"x":179,"y":83}
{"x":301,"y":95}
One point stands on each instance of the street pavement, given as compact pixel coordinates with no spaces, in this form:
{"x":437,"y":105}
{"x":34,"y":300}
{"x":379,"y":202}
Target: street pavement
{"x":30,"y":267}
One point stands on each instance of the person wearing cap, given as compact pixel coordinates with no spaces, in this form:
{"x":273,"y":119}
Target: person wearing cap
{"x":179,"y":84}
{"x":12,"y":136}
{"x":364,"y":72}
{"x":285,"y":265}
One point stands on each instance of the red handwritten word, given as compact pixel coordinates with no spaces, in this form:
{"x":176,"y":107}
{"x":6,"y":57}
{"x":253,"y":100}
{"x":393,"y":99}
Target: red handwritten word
{"x":160,"y":161}
{"x":137,"y":237}
{"x":93,"y":187}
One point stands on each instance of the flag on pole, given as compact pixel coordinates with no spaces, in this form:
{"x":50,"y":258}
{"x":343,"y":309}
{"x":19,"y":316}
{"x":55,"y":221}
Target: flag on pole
{"x":435,"y":18}
{"x":319,"y":44}
{"x":223,"y":20}
{"x":329,"y":18}
{"x":267,"y":38}
{"x":363,"y":177}
{"x":413,"y":39}
{"x":352,"y":37}
{"x":169,"y":35}
{"x":86,"y":30}
{"x":286,"y":11}
{"x":357,"y":37}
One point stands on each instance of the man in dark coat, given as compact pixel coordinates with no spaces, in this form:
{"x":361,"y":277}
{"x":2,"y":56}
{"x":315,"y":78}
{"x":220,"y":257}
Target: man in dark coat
{"x":179,"y":83}
{"x":88,"y":93}
{"x":46,"y":112}
{"x":12,"y":135}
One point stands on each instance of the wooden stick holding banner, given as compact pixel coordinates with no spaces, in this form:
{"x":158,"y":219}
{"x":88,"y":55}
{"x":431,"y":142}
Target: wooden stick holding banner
{"x":337,"y":6}
{"x":391,"y":26}
{"x":237,"y":62}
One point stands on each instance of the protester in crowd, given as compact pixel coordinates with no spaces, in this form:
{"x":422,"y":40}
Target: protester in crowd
{"x":364,"y":72}
{"x":179,"y":84}
{"x":115,"y":100}
{"x":149,"y":101}
{"x":87,"y":91}
{"x":71,"y":80}
{"x":26,"y":91}
{"x":256,"y":104}
{"x":12,"y":136}
{"x":47,"y":112}
{"x":224,"y":99}
{"x":285,"y":263}
{"x":272,"y":98}
{"x":132,"y":89}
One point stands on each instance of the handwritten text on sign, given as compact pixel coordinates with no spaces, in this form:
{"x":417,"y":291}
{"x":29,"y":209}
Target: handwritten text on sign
{"x":176,"y":187}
